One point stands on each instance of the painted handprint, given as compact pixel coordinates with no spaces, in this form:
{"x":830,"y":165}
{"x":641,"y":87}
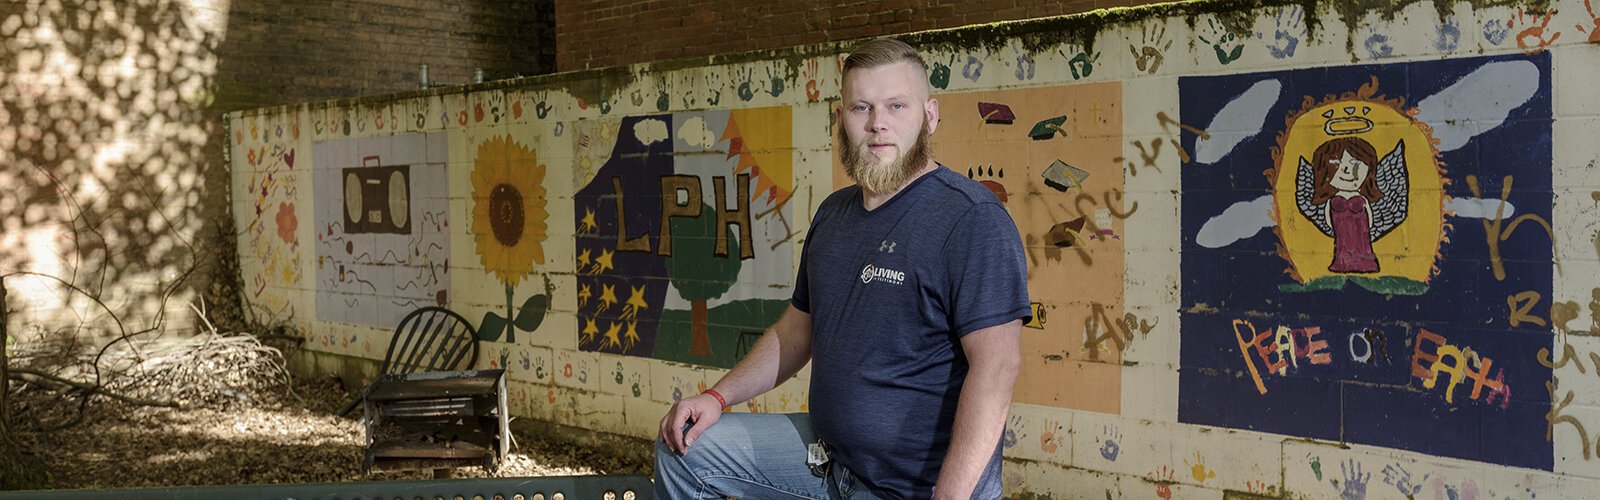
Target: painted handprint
{"x":973,"y":69}
{"x":1149,"y":57}
{"x":1109,"y":449}
{"x":1495,"y":32}
{"x":1593,"y":29}
{"x":1256,"y":486}
{"x":1532,"y":39}
{"x":1449,"y":35}
{"x":542,"y":109}
{"x":1228,"y":46}
{"x":1400,"y":478}
{"x":1082,"y":65}
{"x":1163,"y":480}
{"x":714,"y":83}
{"x":1377,"y":44}
{"x":1198,"y":469}
{"x":1049,"y":440}
{"x":1024,"y":67}
{"x":745,"y":91}
{"x":810,"y":74}
{"x":1291,"y":28}
{"x":776,"y":83}
{"x":1013,"y":432}
{"x":1354,"y":484}
{"x":688,"y":92}
{"x":940,"y":76}
{"x":497,"y":106}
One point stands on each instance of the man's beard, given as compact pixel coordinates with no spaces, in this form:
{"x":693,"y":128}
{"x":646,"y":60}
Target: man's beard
{"x":880,"y":178}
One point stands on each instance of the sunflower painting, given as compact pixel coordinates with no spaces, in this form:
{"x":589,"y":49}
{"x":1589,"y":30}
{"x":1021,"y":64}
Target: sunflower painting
{"x":508,"y":224}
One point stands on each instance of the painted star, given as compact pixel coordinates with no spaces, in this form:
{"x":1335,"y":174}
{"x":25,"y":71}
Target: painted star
{"x":631,"y":336}
{"x":603,"y":262}
{"x":584,"y":293}
{"x":635,"y":302}
{"x":589,"y":329}
{"x":587,"y":224}
{"x":608,"y":298}
{"x":583,"y":259}
{"x":611,"y":336}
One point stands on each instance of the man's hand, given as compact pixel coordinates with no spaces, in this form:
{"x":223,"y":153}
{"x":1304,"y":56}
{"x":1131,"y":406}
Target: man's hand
{"x":701,"y":411}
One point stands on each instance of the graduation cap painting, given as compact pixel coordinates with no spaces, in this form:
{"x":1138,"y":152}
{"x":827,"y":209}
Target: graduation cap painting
{"x":1065,"y":234}
{"x":996,"y":113}
{"x":1047,"y":128}
{"x":1062,"y":176}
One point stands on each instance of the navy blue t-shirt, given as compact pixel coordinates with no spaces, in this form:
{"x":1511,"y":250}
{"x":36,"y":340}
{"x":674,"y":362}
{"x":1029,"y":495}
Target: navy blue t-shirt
{"x":891,"y":292}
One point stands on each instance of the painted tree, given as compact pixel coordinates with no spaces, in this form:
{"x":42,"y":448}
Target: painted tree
{"x":698,"y":273}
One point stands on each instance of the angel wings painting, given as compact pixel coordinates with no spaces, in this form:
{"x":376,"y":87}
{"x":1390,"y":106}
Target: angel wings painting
{"x":1339,"y":192}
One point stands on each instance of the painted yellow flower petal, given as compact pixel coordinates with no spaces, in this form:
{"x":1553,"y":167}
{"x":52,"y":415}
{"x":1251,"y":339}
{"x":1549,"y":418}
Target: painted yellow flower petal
{"x":502,"y":161}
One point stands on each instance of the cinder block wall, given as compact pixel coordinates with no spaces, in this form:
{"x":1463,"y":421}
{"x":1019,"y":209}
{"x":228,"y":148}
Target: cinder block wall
{"x":1215,"y":314}
{"x":111,"y":139}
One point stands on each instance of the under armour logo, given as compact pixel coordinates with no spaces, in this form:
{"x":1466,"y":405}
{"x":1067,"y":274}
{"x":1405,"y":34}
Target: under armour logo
{"x":886,"y":247}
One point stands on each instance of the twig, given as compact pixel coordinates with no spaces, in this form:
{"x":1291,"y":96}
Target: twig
{"x":90,"y":389}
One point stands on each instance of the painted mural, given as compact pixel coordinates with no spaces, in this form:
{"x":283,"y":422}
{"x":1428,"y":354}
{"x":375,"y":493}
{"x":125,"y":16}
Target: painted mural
{"x":684,"y":233}
{"x":509,"y":227}
{"x":1334,"y":239}
{"x":1048,"y":154}
{"x":1352,"y":265}
{"x":382,"y":227}
{"x":271,"y":233}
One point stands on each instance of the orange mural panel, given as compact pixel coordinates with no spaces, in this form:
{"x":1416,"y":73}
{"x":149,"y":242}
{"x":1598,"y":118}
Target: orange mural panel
{"x":1049,"y":154}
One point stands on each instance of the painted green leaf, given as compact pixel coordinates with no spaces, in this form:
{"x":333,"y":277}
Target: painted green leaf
{"x":492,"y":327}
{"x":531,"y":314}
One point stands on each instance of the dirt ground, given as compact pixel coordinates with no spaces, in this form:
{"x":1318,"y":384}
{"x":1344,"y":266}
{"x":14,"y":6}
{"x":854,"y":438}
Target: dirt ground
{"x":292,"y":439}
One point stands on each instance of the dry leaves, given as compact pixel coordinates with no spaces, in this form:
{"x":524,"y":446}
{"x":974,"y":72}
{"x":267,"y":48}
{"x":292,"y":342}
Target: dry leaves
{"x":284,"y":441}
{"x":241,"y":421}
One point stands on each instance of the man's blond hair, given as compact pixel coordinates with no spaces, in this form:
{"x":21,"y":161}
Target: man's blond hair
{"x":883,"y":52}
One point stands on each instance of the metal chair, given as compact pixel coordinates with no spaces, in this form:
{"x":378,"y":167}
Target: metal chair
{"x":430,"y":339}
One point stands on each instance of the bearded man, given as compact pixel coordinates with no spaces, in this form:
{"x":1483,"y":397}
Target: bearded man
{"x":909,"y":300}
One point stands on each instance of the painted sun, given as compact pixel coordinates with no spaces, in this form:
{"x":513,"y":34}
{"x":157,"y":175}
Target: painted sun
{"x":508,"y":209}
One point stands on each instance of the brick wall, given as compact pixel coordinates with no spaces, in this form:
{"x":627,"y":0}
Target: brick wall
{"x":600,"y":33}
{"x":303,"y":50}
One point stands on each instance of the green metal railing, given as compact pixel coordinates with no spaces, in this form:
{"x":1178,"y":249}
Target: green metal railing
{"x":526,"y":488}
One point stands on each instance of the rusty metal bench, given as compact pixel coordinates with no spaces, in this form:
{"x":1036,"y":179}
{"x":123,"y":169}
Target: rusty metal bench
{"x":437,"y":420}
{"x":426,"y":410}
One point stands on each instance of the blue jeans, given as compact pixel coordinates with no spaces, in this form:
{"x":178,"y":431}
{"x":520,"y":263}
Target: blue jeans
{"x":751,"y":456}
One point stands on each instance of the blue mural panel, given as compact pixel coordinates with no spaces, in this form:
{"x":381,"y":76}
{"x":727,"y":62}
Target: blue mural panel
{"x":1388,"y":301}
{"x":684,"y":249}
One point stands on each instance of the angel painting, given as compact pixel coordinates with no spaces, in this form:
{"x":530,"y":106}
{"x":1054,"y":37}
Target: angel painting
{"x":1341,"y":194}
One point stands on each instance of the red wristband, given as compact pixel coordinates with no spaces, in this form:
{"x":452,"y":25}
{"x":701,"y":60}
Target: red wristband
{"x":721,"y":400}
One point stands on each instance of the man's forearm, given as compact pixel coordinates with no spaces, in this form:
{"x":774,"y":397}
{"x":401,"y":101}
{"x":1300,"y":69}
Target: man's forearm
{"x":981,"y":411}
{"x":779,"y":355}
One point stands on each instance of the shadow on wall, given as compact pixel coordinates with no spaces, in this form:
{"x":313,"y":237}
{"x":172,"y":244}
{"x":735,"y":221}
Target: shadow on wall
{"x":109,"y":172}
